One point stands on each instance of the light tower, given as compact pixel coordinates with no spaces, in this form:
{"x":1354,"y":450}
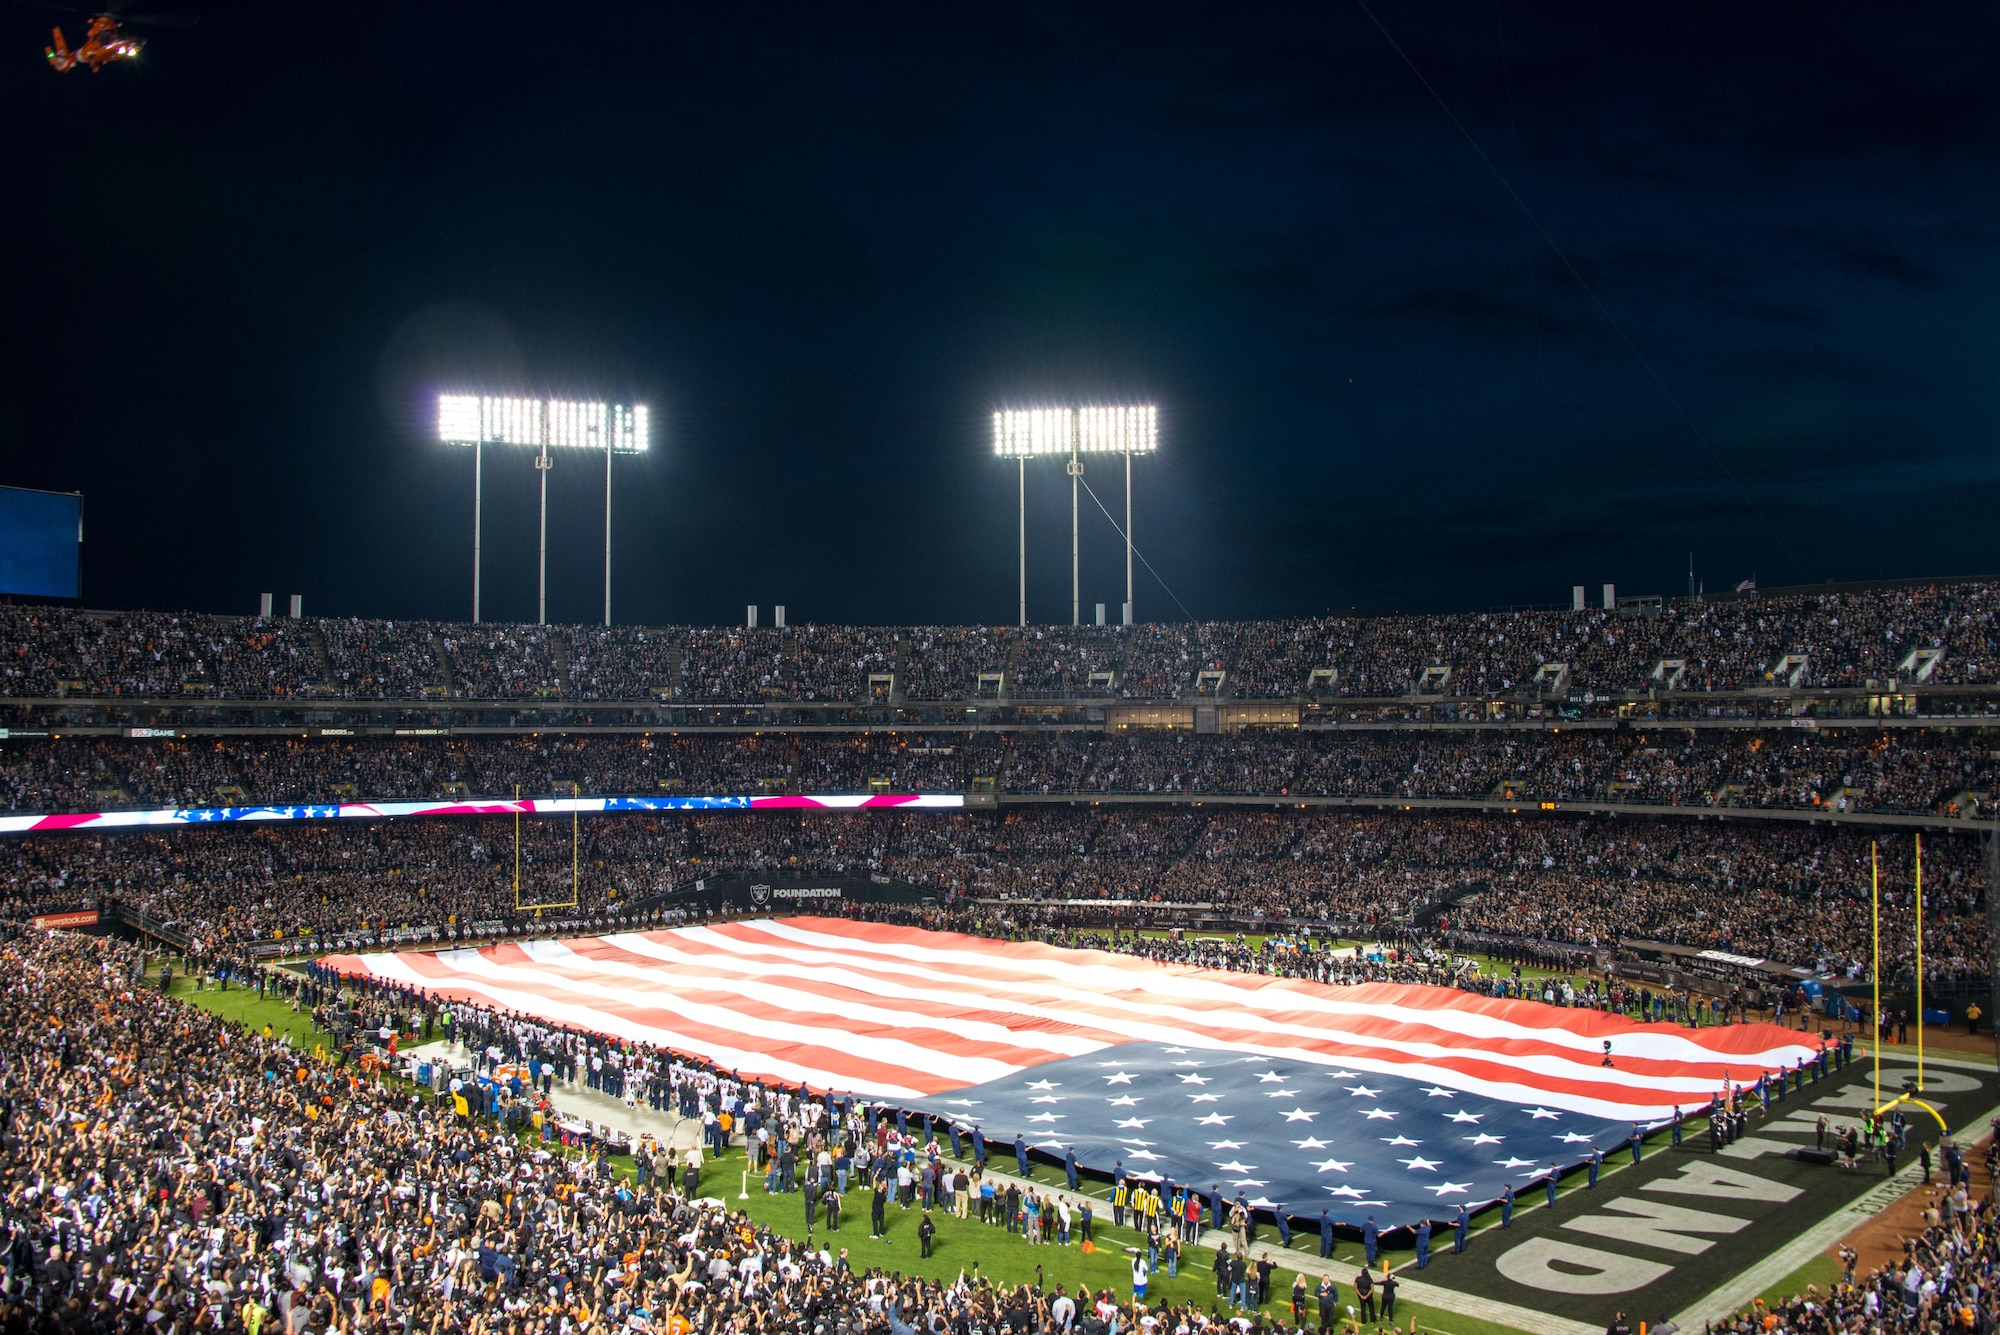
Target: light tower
{"x":471,"y":419}
{"x":1021,"y":434}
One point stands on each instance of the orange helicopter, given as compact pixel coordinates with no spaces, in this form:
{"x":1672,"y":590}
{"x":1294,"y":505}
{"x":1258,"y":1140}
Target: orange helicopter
{"x":105,"y":40}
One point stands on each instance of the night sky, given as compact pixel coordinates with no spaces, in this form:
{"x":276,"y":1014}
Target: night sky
{"x":823,"y":242}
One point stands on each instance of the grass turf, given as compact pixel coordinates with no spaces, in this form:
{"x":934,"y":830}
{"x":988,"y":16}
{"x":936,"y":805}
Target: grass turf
{"x":1007,"y":1258}
{"x":242,"y":1005}
{"x":1822,"y":1270}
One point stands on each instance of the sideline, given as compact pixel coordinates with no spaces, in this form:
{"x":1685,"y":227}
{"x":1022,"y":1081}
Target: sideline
{"x":581,"y":1101}
{"x":1744,"y":1286}
{"x":1455,"y":1301}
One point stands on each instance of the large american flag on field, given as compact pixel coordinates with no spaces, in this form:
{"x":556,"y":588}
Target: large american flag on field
{"x":1392,"y":1100}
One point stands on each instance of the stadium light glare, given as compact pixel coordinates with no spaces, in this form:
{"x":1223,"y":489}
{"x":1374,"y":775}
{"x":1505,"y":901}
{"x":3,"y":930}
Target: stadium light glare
{"x":1022,"y":434}
{"x":631,"y":429}
{"x":458,"y":418}
{"x":542,"y":424}
{"x":1026,"y":433}
{"x":1126,"y":429}
{"x":470,"y":419}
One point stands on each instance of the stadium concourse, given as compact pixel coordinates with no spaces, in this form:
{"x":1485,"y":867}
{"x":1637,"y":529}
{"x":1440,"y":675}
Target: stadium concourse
{"x":1678,"y":808}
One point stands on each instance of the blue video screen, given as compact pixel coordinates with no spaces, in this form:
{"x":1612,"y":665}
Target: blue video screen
{"x":40,"y":542}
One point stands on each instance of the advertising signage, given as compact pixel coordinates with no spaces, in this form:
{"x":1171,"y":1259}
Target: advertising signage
{"x":783,"y":895}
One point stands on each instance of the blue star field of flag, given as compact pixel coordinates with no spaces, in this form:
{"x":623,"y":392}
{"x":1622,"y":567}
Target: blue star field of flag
{"x":1285,"y":1135}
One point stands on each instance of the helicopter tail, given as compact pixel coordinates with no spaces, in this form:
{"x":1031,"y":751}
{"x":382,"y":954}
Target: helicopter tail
{"x":60,"y":56}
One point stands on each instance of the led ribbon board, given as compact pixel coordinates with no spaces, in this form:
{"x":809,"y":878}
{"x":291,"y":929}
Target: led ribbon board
{"x":528,"y":806}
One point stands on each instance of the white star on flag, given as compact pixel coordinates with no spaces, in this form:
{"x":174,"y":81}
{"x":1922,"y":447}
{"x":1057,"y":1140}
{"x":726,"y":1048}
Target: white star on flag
{"x":1377,"y":1114}
{"x":1362,"y":1092}
{"x":1300,"y":1115}
{"x":1573,"y":1138}
{"x":1333,"y":1165}
{"x":1125,"y":1101}
{"x":1345,"y":1191}
{"x":1484,"y":1138}
{"x":1046,"y":1117}
{"x":1437,"y":1093}
{"x":1463,"y":1116}
{"x":1194,"y":1078}
{"x":1225,"y":1144}
{"x":1132,"y":1121}
{"x":1122,"y":1078}
{"x":1213,"y":1119}
{"x":1237,"y":1166}
{"x":1270,"y":1078}
{"x":1205,"y":1098}
{"x":1420,"y":1163}
{"x":1445,"y":1188}
{"x":1044,"y":1085}
{"x":1398,"y":1140}
{"x":1280,"y":1093}
{"x":1144,"y":1154}
{"x":1539,"y":1113}
{"x":1515,"y":1163}
{"x":1311,"y":1143}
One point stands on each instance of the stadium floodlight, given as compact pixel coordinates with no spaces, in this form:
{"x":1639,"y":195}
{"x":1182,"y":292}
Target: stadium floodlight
{"x":477,"y":420}
{"x":1022,"y":434}
{"x":1128,"y":430}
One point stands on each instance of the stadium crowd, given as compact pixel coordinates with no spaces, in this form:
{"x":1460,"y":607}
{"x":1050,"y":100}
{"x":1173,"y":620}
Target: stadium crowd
{"x":1932,"y":770}
{"x":1941,"y":634}
{"x":1948,"y":1277}
{"x":169,"y":1172}
{"x":1796,"y":894}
